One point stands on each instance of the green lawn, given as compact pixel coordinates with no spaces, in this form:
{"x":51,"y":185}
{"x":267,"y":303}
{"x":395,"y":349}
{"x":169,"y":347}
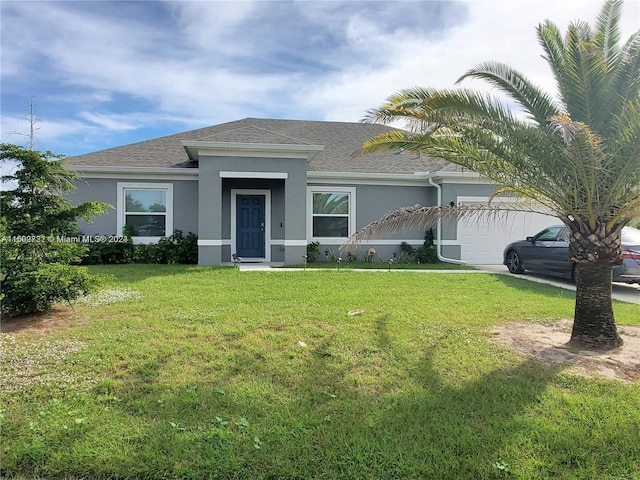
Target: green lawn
{"x":195,"y":372}
{"x":378,"y":265}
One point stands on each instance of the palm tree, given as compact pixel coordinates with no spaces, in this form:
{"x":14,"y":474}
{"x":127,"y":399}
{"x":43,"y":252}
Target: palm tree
{"x":577,"y":156}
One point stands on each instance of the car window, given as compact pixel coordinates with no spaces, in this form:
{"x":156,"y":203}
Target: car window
{"x":564,"y":235}
{"x":549,"y":234}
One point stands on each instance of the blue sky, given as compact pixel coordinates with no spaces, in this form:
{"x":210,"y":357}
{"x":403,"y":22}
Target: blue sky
{"x":104,"y":74}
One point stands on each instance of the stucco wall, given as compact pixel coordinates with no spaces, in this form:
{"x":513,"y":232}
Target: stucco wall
{"x":219,"y":175}
{"x":185,"y":203}
{"x":372,"y":203}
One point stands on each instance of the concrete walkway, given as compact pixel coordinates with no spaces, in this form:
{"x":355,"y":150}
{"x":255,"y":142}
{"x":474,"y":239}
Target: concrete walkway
{"x":620,"y":291}
{"x":624,"y":292}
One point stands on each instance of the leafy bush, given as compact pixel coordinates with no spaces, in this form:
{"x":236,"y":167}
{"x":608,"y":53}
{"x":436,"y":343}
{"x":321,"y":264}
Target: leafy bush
{"x":37,"y":227}
{"x":177,"y":248}
{"x":105,"y":253}
{"x":424,"y":254}
{"x":313,"y":249}
{"x":35,"y":288}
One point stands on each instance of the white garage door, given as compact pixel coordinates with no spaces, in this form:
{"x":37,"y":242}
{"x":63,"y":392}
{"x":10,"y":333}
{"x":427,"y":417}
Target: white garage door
{"x":483,"y":239}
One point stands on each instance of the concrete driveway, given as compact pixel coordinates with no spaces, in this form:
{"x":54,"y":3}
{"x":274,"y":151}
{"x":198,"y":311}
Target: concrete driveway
{"x":620,"y":291}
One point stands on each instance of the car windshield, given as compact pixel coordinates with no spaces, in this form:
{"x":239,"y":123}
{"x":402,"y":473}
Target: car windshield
{"x":630,"y":236}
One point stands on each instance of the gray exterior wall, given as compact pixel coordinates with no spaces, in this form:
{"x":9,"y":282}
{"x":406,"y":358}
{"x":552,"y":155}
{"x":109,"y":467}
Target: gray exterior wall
{"x":206,"y":209}
{"x":185,"y":203}
{"x":375,"y":201}
{"x":288,"y":205}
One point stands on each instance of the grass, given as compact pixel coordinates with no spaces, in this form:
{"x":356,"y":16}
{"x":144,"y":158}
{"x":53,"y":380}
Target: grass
{"x":192,"y":372}
{"x":380,"y":265}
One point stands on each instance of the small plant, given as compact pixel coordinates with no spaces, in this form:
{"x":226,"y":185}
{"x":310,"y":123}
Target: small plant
{"x":370,"y":255}
{"x":313,"y":249}
{"x":332,"y":256}
{"x":503,"y":467}
{"x":242,"y":424}
{"x":424,"y":254}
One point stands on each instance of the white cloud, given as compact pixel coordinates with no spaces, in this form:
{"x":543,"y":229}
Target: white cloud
{"x":494,"y":30}
{"x":100,"y":69}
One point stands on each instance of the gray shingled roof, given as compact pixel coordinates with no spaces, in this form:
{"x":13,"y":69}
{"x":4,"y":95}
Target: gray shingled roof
{"x":340,"y":140}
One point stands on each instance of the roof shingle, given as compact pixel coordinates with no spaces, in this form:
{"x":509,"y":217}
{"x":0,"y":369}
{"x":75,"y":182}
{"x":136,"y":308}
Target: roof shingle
{"x":340,"y":140}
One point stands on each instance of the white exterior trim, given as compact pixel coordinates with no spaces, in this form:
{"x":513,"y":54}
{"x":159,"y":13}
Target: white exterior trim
{"x":267,"y":175}
{"x":135,"y":173}
{"x":289,"y":243}
{"x":120,"y":207}
{"x":311,"y":189}
{"x":198,"y":148}
{"x":209,"y":243}
{"x":466,"y":176}
{"x":295,"y":243}
{"x":354,"y":178}
{"x":267,"y":222}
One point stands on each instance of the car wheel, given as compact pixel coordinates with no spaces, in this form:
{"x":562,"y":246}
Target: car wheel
{"x":513,"y":262}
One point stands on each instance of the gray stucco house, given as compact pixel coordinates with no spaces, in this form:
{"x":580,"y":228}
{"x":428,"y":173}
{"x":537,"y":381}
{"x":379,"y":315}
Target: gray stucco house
{"x":263,"y":189}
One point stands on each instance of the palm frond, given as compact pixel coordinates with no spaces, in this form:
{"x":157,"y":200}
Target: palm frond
{"x":430,"y":108}
{"x":418,"y":217}
{"x":607,"y":31}
{"x":551,"y":41}
{"x":538,"y":104}
{"x":625,"y":80}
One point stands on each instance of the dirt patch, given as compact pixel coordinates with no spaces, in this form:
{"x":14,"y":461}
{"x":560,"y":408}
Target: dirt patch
{"x":41,"y":323}
{"x":548,"y":344}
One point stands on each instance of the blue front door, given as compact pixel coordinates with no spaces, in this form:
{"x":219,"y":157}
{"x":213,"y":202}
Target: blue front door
{"x":250,"y":224}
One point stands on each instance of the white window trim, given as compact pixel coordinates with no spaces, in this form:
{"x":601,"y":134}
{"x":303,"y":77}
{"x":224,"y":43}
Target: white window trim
{"x":167,"y":187}
{"x":352,"y":212}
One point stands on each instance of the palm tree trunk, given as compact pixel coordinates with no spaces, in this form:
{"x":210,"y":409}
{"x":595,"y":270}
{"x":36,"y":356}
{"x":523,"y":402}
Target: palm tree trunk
{"x":593,"y":324}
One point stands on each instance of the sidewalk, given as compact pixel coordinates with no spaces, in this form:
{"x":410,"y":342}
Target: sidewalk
{"x":623,"y":292}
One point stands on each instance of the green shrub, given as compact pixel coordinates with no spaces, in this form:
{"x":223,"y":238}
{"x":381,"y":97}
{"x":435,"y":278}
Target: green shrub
{"x":35,"y":288}
{"x":313,"y":249}
{"x":177,"y":248}
{"x":424,"y":254}
{"x":104,"y":253}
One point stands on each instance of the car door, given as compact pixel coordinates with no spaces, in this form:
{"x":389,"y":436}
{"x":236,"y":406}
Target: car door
{"x":548,"y":251}
{"x":558,"y":254}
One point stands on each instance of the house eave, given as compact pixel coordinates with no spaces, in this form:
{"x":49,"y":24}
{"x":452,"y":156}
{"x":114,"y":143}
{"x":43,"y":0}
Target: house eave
{"x":465,"y":176}
{"x":150,"y":173}
{"x":199,"y":148}
{"x":361,"y":178}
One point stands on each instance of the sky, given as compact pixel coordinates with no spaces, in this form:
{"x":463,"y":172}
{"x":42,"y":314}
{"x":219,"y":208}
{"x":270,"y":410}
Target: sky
{"x":101,"y":74}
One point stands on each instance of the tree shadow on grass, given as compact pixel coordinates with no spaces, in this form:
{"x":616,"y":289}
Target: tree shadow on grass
{"x":320,"y":423}
{"x":329,"y":428}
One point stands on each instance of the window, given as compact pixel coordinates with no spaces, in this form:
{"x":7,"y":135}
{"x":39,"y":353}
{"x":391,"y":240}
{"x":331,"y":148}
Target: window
{"x":146,"y":209}
{"x":332,"y":212}
{"x":551,"y":234}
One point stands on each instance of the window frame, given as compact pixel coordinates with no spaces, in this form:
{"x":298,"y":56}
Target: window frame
{"x":351,"y":215}
{"x":121,"y":208}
